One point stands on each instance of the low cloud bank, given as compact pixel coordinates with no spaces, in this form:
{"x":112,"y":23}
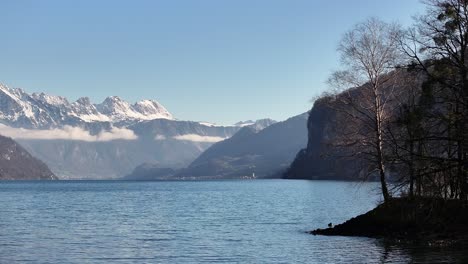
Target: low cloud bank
{"x":159,"y":137}
{"x":68,"y":133}
{"x":198,"y":138}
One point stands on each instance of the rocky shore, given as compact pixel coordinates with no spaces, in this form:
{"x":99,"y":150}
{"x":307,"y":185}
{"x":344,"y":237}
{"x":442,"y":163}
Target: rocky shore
{"x":431,"y":221}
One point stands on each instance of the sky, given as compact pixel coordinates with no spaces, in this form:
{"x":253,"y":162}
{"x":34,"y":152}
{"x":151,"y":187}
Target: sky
{"x":219,"y":61}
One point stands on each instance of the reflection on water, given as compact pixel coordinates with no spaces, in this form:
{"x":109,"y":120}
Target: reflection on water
{"x":413,"y":252}
{"x":262,"y":221}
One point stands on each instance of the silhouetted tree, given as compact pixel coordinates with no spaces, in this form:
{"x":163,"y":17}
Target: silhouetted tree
{"x":369,"y":54}
{"x":438,"y":47}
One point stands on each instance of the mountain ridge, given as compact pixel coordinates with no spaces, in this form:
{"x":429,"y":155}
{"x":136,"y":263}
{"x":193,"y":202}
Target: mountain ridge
{"x":82,"y":140}
{"x":39,"y":110}
{"x":250,"y":152}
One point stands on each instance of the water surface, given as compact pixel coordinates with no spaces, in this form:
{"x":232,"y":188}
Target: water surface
{"x":262,"y":221}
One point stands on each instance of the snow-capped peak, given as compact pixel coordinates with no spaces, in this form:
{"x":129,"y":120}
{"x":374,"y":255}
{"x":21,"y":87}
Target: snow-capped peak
{"x":39,"y":110}
{"x":244,"y":123}
{"x":13,"y":106}
{"x":85,"y":110}
{"x":119,"y":110}
{"x":50,"y":99}
{"x":257,"y":124}
{"x":113,"y":105}
{"x":83,"y":101}
{"x":152,"y":109}
{"x":14,"y":94}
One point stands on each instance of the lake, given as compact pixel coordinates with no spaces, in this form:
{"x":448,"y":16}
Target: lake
{"x":250,"y":221}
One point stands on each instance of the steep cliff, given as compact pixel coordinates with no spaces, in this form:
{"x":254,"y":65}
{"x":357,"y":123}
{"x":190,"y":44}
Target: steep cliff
{"x":319,"y":160}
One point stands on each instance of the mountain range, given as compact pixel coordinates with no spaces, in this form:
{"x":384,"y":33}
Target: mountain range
{"x":253,"y":152}
{"x":82,"y":140}
{"x":42,"y":111}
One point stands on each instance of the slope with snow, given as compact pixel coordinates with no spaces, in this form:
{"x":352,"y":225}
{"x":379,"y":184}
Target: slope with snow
{"x":100,"y":141}
{"x":39,"y":110}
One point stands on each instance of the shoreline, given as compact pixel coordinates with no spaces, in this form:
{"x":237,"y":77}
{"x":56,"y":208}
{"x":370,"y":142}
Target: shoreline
{"x":434,"y":222}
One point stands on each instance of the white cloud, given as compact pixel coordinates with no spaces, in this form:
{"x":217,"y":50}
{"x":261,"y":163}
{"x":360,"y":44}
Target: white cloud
{"x":159,"y":137}
{"x":68,"y":133}
{"x":198,"y":138}
{"x":116,"y":133}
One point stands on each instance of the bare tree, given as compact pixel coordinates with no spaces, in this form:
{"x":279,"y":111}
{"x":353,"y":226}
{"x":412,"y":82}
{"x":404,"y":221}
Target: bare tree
{"x":406,"y":131}
{"x":365,"y":89}
{"x":438,"y":46}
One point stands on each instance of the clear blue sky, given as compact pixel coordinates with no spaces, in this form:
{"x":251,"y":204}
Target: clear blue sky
{"x":207,"y":60}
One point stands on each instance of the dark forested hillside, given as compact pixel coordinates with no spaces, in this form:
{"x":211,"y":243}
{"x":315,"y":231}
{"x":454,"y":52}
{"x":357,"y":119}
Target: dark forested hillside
{"x":17,"y":164}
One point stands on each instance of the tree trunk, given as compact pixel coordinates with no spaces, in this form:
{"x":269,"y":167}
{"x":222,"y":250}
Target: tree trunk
{"x":379,"y":145}
{"x":383,"y":181}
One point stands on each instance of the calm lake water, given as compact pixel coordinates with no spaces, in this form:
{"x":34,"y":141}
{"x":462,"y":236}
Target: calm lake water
{"x":262,"y":221}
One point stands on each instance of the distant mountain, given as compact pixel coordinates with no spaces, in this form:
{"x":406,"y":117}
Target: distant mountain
{"x":250,"y":151}
{"x":170,"y":143}
{"x":17,"y":164}
{"x":39,"y":110}
{"x":259,"y":124}
{"x":82,"y":140}
{"x":146,"y":172}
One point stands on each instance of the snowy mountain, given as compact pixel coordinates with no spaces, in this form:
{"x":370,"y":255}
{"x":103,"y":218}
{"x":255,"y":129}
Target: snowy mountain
{"x":86,"y":111}
{"x":251,"y":122}
{"x":116,"y":110}
{"x":107,"y":140}
{"x":39,"y":110}
{"x":257,"y":124}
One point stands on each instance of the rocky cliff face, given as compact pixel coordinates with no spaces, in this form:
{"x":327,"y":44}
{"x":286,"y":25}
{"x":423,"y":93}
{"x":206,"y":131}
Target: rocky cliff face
{"x":318,"y":160}
{"x":17,"y":164}
{"x":331,"y":153}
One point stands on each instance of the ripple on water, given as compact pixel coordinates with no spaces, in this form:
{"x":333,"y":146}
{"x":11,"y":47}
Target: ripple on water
{"x":191,"y":222}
